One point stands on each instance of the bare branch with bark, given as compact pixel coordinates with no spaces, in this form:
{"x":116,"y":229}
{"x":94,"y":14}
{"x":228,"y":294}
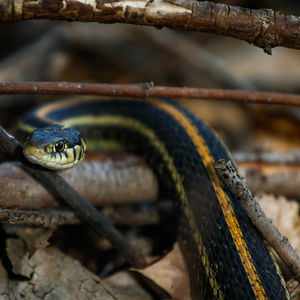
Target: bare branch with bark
{"x":105,"y":183}
{"x":264,"y":28}
{"x":54,"y":216}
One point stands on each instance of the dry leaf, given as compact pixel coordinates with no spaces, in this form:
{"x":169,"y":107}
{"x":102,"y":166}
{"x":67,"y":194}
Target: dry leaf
{"x":285,"y":216}
{"x":54,"y":275}
{"x":171,"y":274}
{"x":125,"y":280}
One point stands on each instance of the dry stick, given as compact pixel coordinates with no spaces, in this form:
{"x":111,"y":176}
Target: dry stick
{"x":264,"y":28}
{"x":236,"y":184}
{"x":272,"y":178}
{"x":143,"y":90}
{"x":124,"y":179}
{"x":53,"y":217}
{"x":127,"y":185}
{"x":84,"y":208}
{"x":44,"y":218}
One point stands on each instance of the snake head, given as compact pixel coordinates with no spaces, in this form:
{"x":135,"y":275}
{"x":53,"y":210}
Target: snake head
{"x":55,"y":147}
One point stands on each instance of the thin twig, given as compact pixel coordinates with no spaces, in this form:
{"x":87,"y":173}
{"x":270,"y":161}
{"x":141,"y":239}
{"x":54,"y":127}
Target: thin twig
{"x":144,"y":90}
{"x":58,"y":216}
{"x":84,"y":208}
{"x":45,"y":218}
{"x":237,"y":186}
{"x":264,"y":28}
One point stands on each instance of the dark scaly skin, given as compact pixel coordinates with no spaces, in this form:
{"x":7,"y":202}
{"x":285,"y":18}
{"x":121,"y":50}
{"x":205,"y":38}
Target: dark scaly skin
{"x":221,"y":273}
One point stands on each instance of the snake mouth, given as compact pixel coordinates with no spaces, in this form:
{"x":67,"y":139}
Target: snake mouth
{"x":55,"y":160}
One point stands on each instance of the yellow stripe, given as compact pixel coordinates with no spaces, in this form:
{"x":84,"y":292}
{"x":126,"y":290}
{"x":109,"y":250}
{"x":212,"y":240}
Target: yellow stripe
{"x":168,"y":160}
{"x":53,"y":106}
{"x":223,"y":198}
{"x":224,"y":201}
{"x":25,"y":127}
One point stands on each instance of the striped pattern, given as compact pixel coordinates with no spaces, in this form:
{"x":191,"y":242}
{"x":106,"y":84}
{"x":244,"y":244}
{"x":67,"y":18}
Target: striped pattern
{"x":226,"y":256}
{"x":223,"y":198}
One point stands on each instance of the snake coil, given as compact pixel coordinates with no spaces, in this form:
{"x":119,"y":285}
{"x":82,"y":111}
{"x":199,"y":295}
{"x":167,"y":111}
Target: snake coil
{"x":225,"y":254}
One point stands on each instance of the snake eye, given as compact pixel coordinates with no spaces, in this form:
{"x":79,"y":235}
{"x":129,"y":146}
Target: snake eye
{"x":60,"y":146}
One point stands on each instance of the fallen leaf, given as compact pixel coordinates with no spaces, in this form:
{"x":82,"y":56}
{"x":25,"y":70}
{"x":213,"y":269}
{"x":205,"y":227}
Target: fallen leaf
{"x":171,"y":274}
{"x":54,"y":275}
{"x":285,"y":216}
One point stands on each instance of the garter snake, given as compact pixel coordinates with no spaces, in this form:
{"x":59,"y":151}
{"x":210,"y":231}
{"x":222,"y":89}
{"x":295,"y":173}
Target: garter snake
{"x":225,"y":255}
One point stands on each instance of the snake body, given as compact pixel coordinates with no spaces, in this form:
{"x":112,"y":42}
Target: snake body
{"x":225,"y":254}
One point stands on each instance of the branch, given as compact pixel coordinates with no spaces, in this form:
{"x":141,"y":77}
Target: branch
{"x":55,"y":216}
{"x":144,"y":90}
{"x":264,"y":28}
{"x":112,"y":181}
{"x":271,"y":172}
{"x":64,"y":191}
{"x":236,"y":185}
{"x":121,"y":181}
{"x":273,"y":178}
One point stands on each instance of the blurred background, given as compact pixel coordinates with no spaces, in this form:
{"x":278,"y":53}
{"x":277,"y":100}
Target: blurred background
{"x":119,"y":53}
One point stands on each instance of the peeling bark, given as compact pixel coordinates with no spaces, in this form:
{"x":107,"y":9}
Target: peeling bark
{"x":264,"y":28}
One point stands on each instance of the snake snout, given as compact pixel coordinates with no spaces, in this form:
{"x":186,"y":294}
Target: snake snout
{"x":55,"y":147}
